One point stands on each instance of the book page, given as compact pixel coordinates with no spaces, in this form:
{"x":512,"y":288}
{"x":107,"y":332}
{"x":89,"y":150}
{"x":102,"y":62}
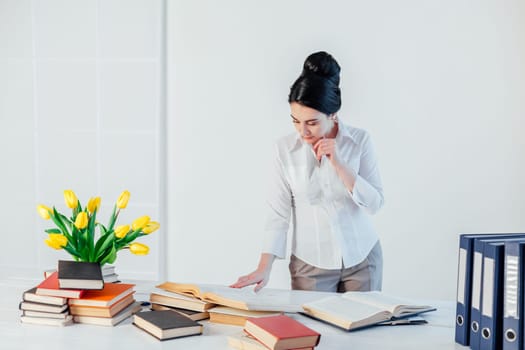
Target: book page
{"x":397,"y":306}
{"x":266,"y":299}
{"x":178,"y":296}
{"x":346,"y":313}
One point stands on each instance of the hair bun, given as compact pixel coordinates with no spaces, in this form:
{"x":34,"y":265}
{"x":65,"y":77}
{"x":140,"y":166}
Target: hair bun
{"x":324,"y":65}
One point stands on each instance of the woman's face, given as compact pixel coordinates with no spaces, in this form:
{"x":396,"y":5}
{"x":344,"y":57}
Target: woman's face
{"x":311,"y":124}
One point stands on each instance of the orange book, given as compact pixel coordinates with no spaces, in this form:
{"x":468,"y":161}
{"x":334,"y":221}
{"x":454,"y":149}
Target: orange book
{"x":108,"y":296}
{"x":50,"y":287}
{"x":98,"y":311}
{"x":281,"y":332}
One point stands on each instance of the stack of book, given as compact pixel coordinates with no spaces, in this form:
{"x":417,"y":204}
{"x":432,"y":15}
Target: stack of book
{"x":193,"y":308}
{"x":490,"y":291}
{"x":278,"y":332}
{"x":44,"y":309}
{"x":76,"y":292}
{"x":106,"y":307}
{"x":108,"y":273}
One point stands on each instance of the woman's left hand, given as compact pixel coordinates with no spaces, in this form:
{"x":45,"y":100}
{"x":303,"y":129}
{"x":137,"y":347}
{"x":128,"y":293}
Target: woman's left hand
{"x":326,"y":147}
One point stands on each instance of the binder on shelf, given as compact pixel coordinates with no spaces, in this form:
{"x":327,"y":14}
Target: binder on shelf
{"x":513,"y":303}
{"x":464,"y":283}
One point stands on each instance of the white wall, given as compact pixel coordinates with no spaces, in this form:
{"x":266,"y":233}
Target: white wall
{"x":80,"y":108}
{"x":440,"y":85}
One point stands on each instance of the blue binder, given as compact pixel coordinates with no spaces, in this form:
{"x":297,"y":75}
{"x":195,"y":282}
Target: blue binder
{"x":491,"y":324}
{"x":513,"y":302}
{"x":464,"y":284}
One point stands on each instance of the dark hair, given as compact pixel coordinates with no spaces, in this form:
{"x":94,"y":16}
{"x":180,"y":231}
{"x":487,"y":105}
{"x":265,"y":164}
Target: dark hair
{"x":318,"y":85}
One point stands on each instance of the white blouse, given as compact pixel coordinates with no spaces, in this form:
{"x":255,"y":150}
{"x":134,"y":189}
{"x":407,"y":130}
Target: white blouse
{"x":331,"y":225}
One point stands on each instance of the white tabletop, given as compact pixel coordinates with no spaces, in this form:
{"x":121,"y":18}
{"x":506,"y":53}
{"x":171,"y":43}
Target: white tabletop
{"x":437,"y":334}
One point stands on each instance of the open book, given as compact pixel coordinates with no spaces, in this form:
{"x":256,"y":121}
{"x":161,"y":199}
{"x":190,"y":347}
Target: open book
{"x":353,"y":310}
{"x":266,"y":299}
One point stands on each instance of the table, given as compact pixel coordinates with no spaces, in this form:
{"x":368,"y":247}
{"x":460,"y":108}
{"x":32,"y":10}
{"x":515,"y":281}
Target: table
{"x":438,"y":334}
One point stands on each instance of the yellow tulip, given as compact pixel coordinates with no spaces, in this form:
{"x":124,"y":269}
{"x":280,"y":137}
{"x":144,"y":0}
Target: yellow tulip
{"x":152,"y":226}
{"x":56,"y":241}
{"x":122,"y":201}
{"x":93,"y":203}
{"x":81,"y":221}
{"x":139,"y":249}
{"x":44,"y":211}
{"x":121,"y":231}
{"x":71,"y":199}
{"x":140,"y":223}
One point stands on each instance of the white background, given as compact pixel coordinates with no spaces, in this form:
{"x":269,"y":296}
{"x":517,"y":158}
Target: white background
{"x":440,"y":86}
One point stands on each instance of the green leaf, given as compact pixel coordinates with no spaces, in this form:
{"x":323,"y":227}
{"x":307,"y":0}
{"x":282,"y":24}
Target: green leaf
{"x":103,"y":243}
{"x":109,"y":257}
{"x":113,"y":218}
{"x":91,"y":235}
{"x":53,"y":230}
{"x":69,"y":248}
{"x":56,"y":217}
{"x":103,"y":229}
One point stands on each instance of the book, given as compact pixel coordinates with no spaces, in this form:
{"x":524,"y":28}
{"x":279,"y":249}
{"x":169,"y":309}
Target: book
{"x":160,"y":296}
{"x":99,"y":311}
{"x":281,"y":332}
{"x":243,"y":341}
{"x":166,"y":324}
{"x":63,"y":315}
{"x":107,"y":269}
{"x":109,"y":321}
{"x":50,"y":287}
{"x":47,"y":321}
{"x":79,"y":275}
{"x":193,"y":315}
{"x":236,"y":317}
{"x":267,"y":299}
{"x":30,"y":295}
{"x":111,"y":293}
{"x":110,"y":278}
{"x":27,"y":305}
{"x":355,"y":310}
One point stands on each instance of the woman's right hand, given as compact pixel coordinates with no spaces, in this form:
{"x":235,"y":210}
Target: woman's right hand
{"x":259,"y":277}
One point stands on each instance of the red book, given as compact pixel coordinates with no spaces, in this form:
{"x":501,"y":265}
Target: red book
{"x":108,"y":296}
{"x":50,"y":286}
{"x":281,"y":332}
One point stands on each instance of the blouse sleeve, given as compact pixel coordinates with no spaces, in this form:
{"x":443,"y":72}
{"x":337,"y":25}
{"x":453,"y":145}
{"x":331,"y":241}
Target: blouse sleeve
{"x":368,"y":189}
{"x":279,"y":207}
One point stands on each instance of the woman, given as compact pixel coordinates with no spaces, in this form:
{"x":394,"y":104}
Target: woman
{"x":326,"y":182}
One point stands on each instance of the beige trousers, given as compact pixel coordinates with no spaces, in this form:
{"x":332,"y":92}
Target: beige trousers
{"x":365,"y":276}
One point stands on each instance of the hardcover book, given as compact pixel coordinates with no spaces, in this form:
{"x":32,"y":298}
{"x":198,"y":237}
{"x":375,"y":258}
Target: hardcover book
{"x":50,"y":287}
{"x":193,"y":315}
{"x":99,"y":311}
{"x":63,"y":315}
{"x":26,"y":305}
{"x":354,"y":310}
{"x":281,"y":332}
{"x":109,"y":321}
{"x":236,"y":317}
{"x":47,"y":321}
{"x":244,"y":341}
{"x":164,"y":297}
{"x":79,"y":275}
{"x":267,"y":299}
{"x":30,"y":295}
{"x":166,"y":324}
{"x":108,"y":296}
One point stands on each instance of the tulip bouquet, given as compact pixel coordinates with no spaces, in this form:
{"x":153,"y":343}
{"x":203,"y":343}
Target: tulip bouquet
{"x":76,"y":234}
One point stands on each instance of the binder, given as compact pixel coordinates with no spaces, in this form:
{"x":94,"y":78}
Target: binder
{"x":464,"y":283}
{"x":491,"y":323}
{"x":513,"y":294}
